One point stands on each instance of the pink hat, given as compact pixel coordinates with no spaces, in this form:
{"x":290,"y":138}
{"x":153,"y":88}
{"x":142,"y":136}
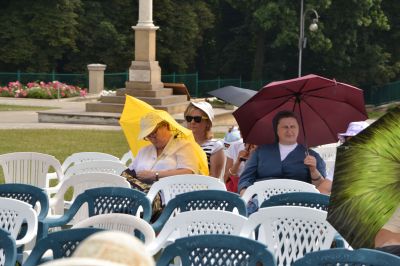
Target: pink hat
{"x":354,"y":128}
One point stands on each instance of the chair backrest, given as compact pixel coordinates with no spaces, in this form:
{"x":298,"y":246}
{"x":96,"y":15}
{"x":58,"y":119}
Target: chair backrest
{"x":13,"y":214}
{"x":327,"y":152}
{"x":267,"y":188}
{"x":61,"y":243}
{"x":29,"y":168}
{"x":217,"y":250}
{"x":127,"y":158}
{"x":120,"y":222}
{"x":330,"y":167}
{"x":305,"y":199}
{"x":201,"y":200}
{"x":345,"y":257}
{"x":82,"y":182}
{"x":8,"y":249}
{"x":80,"y":157}
{"x":171,"y":186}
{"x":198,"y":222}
{"x":102,"y":201}
{"x":34,"y":196}
{"x":95,"y":167}
{"x":290,"y":231}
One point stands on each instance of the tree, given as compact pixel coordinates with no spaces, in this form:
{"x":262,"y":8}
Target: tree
{"x":35,"y":34}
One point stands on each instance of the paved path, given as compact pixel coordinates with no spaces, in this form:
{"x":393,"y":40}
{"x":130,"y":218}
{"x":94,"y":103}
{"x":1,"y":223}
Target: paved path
{"x":29,"y":119}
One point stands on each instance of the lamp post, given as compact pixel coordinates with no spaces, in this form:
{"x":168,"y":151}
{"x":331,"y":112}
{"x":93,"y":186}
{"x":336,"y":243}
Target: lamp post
{"x":302,"y":38}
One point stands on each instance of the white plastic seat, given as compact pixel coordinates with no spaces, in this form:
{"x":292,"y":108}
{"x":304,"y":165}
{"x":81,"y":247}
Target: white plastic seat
{"x":80,"y":157}
{"x":120,"y":222}
{"x":111,"y":167}
{"x":30,"y":168}
{"x":290,"y":231}
{"x":267,"y":188}
{"x":127,"y":158}
{"x":171,"y":186}
{"x":79,"y":183}
{"x":198,"y":222}
{"x":13,"y":214}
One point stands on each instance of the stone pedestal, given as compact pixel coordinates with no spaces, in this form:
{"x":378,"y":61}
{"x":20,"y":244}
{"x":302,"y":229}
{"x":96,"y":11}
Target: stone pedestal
{"x":96,"y":77}
{"x":144,"y":73}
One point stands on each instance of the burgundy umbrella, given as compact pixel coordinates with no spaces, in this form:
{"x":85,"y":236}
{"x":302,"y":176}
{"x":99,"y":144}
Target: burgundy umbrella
{"x":325,"y":108}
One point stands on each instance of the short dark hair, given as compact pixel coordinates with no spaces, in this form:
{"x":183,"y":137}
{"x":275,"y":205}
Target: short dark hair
{"x":278,"y":117}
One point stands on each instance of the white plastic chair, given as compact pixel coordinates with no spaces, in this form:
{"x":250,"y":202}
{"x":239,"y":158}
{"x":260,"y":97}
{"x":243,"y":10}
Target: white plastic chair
{"x":327,"y":152}
{"x":13,"y":214}
{"x":120,"y":222}
{"x":171,"y":186}
{"x":95,"y":167}
{"x":290,"y":231}
{"x":127,"y":158}
{"x":198,"y":222}
{"x":80,"y":157}
{"x":267,"y":188}
{"x":79,"y":183}
{"x":30,"y":168}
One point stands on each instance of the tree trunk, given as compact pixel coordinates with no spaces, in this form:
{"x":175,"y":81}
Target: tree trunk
{"x":259,"y":54}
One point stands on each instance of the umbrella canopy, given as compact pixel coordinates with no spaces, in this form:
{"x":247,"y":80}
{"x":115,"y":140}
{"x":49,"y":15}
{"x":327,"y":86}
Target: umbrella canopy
{"x":233,"y":95}
{"x":324,"y":106}
{"x":366,"y":185}
{"x":135,"y":109}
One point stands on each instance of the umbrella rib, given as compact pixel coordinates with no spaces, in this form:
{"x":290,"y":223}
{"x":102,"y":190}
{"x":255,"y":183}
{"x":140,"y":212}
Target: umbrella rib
{"x":333,"y":100}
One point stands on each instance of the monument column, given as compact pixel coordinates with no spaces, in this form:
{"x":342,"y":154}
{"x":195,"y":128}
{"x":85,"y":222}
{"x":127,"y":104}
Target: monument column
{"x":144,"y":72}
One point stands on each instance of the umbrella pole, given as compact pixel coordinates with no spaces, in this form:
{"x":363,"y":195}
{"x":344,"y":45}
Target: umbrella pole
{"x":302,"y":125}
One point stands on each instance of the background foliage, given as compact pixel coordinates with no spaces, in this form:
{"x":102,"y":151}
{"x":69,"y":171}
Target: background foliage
{"x":255,"y":39}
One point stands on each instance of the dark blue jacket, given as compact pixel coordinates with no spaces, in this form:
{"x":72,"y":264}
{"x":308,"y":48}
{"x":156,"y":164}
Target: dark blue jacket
{"x":265,"y":163}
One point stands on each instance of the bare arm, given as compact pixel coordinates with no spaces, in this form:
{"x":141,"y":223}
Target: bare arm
{"x":217,"y":163}
{"x":228,"y":165}
{"x":325,"y":187}
{"x":148,"y":175}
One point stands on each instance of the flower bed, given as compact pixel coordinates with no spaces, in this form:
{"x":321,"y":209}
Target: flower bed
{"x":41,"y":90}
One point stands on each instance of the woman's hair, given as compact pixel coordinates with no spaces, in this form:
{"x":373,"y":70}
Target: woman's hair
{"x":278,"y":117}
{"x":209,"y":133}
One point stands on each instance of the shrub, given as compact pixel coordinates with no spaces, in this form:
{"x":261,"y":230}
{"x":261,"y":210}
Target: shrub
{"x":41,"y":90}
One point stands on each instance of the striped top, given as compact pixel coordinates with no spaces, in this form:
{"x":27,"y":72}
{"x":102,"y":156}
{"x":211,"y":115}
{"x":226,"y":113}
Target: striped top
{"x":210,"y":147}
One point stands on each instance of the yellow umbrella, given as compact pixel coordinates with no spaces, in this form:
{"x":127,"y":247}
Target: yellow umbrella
{"x":135,"y":109}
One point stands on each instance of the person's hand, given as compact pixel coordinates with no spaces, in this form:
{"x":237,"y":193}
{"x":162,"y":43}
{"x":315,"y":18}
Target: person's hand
{"x":249,"y":148}
{"x":243,"y":154}
{"x":146,"y":176}
{"x":311,"y":162}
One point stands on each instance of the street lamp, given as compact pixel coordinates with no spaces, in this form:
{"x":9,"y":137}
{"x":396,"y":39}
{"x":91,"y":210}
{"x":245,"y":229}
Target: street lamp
{"x":313,"y":27}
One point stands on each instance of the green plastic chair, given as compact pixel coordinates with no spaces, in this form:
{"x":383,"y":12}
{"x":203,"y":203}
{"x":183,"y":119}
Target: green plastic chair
{"x":341,"y":257}
{"x":217,"y":250}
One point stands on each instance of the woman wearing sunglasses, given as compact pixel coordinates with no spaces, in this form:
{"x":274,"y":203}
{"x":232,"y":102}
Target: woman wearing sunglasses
{"x":199,"y":117}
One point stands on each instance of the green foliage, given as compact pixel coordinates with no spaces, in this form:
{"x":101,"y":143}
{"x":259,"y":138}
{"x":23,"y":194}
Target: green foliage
{"x":356,"y":41}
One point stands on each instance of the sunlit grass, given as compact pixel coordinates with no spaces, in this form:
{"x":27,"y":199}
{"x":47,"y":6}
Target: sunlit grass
{"x":62,"y":143}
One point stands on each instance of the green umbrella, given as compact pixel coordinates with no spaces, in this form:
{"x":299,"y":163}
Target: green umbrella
{"x":366,"y":185}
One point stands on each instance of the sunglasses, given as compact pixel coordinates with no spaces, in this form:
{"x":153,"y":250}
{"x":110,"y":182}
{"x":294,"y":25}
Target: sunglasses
{"x":196,"y":119}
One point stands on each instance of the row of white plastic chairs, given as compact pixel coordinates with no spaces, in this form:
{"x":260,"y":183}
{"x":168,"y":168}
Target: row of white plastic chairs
{"x":33,"y":168}
{"x":306,"y":229}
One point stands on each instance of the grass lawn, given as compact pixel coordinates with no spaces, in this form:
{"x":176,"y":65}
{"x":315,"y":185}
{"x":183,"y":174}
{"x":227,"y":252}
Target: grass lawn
{"x":62,"y":143}
{"x":9,"y":107}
